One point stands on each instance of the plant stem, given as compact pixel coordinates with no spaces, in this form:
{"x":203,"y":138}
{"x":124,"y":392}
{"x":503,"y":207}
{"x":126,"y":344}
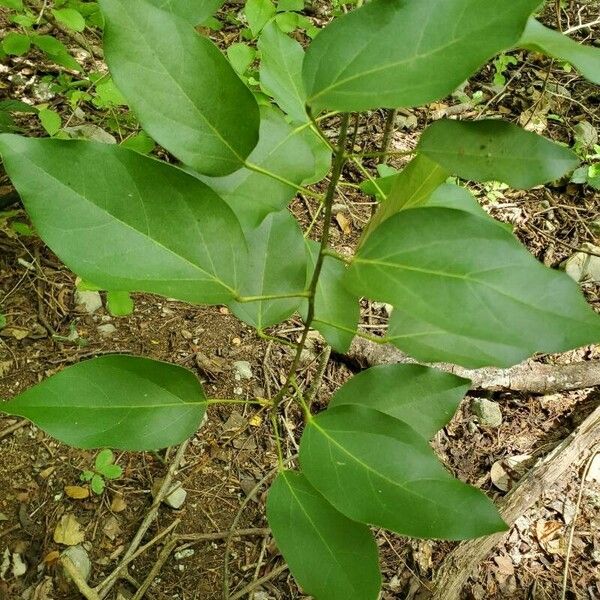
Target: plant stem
{"x":338,"y":164}
{"x":267,"y":173}
{"x":246,"y":299}
{"x":390,"y":121}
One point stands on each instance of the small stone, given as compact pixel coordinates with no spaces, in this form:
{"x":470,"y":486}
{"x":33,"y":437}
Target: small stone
{"x":89,"y":301}
{"x":186,"y":553}
{"x":107,"y":329}
{"x":336,"y":209}
{"x":175,"y":497}
{"x":236,"y":341}
{"x":79,"y":557}
{"x":488,"y":412}
{"x":593,"y":473}
{"x":243,"y":369}
{"x":582,"y":266}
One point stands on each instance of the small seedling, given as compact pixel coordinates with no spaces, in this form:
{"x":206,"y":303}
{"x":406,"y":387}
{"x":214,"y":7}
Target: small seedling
{"x":104,"y":470}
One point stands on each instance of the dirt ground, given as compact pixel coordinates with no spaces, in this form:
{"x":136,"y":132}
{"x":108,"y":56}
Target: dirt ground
{"x":233,"y":451}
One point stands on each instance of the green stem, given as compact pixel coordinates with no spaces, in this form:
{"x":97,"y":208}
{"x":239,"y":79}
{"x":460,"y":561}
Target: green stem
{"x":338,"y":164}
{"x":267,"y":173}
{"x":246,"y":299}
{"x":337,"y":256}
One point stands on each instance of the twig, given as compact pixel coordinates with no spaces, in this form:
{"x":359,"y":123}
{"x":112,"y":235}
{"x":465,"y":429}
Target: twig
{"x":529,"y":376}
{"x":231,"y":533}
{"x":466,"y":557}
{"x":12,"y":428}
{"x":259,"y":582}
{"x":581,"y":26}
{"x":116,"y":573}
{"x":77,"y":578}
{"x":158,"y":565}
{"x":586,"y":470}
{"x":164,"y":490}
{"x":221,"y":535}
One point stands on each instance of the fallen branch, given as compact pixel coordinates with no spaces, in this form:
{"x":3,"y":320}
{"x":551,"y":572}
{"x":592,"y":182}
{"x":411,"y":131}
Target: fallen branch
{"x":85,"y":590}
{"x":530,"y":376}
{"x":467,"y":556}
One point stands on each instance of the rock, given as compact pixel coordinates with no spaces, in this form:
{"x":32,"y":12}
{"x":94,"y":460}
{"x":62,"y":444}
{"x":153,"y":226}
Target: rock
{"x":488,"y":412}
{"x":583,"y":267}
{"x":242,"y":369}
{"x":336,"y":209}
{"x":506,"y":472}
{"x":89,"y":301}
{"x":182,"y":554}
{"x":106,"y":330}
{"x":175,"y":497}
{"x":79,"y":557}
{"x":593,"y":473}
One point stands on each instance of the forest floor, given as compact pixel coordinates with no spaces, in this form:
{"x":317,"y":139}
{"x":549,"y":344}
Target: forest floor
{"x":234,"y":450}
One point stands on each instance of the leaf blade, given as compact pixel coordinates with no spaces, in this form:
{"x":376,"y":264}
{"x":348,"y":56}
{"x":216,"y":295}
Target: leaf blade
{"x":111,"y":202}
{"x":124,"y":402}
{"x":375,"y":56}
{"x":492,"y":150}
{"x":423,"y":397}
{"x":200,"y":111}
{"x":388,"y":465}
{"x":332,"y":557}
{"x":465,"y":291}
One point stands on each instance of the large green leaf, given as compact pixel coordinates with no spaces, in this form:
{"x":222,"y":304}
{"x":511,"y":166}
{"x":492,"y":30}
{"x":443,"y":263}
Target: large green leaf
{"x":586,"y":59}
{"x":422,"y":397}
{"x":493,"y":150}
{"x":183,"y":90}
{"x":282,"y":150}
{"x":376,"y":469}
{"x":193,"y":11}
{"x":331,"y":557}
{"x":276,"y":265}
{"x":125,"y":221}
{"x":281,"y":71}
{"x":123,"y":402}
{"x":392,"y":53}
{"x":411,"y":187}
{"x":337,"y":311}
{"x":465,"y":291}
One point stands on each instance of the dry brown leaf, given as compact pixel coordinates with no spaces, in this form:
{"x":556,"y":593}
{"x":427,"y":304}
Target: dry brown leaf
{"x":77,"y":492}
{"x":52,"y":557}
{"x":68,"y":532}
{"x":344,"y":223}
{"x":118,"y":504}
{"x":550,"y":535}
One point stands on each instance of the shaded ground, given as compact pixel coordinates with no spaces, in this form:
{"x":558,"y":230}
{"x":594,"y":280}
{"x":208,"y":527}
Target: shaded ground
{"x":234,"y":450}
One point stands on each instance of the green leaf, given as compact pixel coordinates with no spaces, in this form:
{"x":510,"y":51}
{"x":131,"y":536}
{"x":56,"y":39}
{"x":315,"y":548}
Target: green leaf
{"x":276,"y":265}
{"x":111,"y":471}
{"x":56,"y":51}
{"x":119,"y":304}
{"x":196,"y":12}
{"x":108,"y":95}
{"x":2,"y":321}
{"x":282,"y":150}
{"x":586,"y":59}
{"x":16,"y":44}
{"x":331,"y":557}
{"x":376,"y":469}
{"x":141,"y":142}
{"x":86,"y":476}
{"x":198,"y":108}
{"x":281,"y":71}
{"x":449,"y":195}
{"x":50,"y":120}
{"x":124,"y":402}
{"x":14,"y":4}
{"x":69,"y":17}
{"x":287,"y":21}
{"x":465,"y":291}
{"x":125,"y":221}
{"x":422,"y":397}
{"x":258,"y":14}
{"x":240,"y":56}
{"x":411,"y":187}
{"x":97,"y":484}
{"x":292,"y":5}
{"x":337,"y":311}
{"x":393,"y":53}
{"x":492,"y":150}
{"x":105,"y":457}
